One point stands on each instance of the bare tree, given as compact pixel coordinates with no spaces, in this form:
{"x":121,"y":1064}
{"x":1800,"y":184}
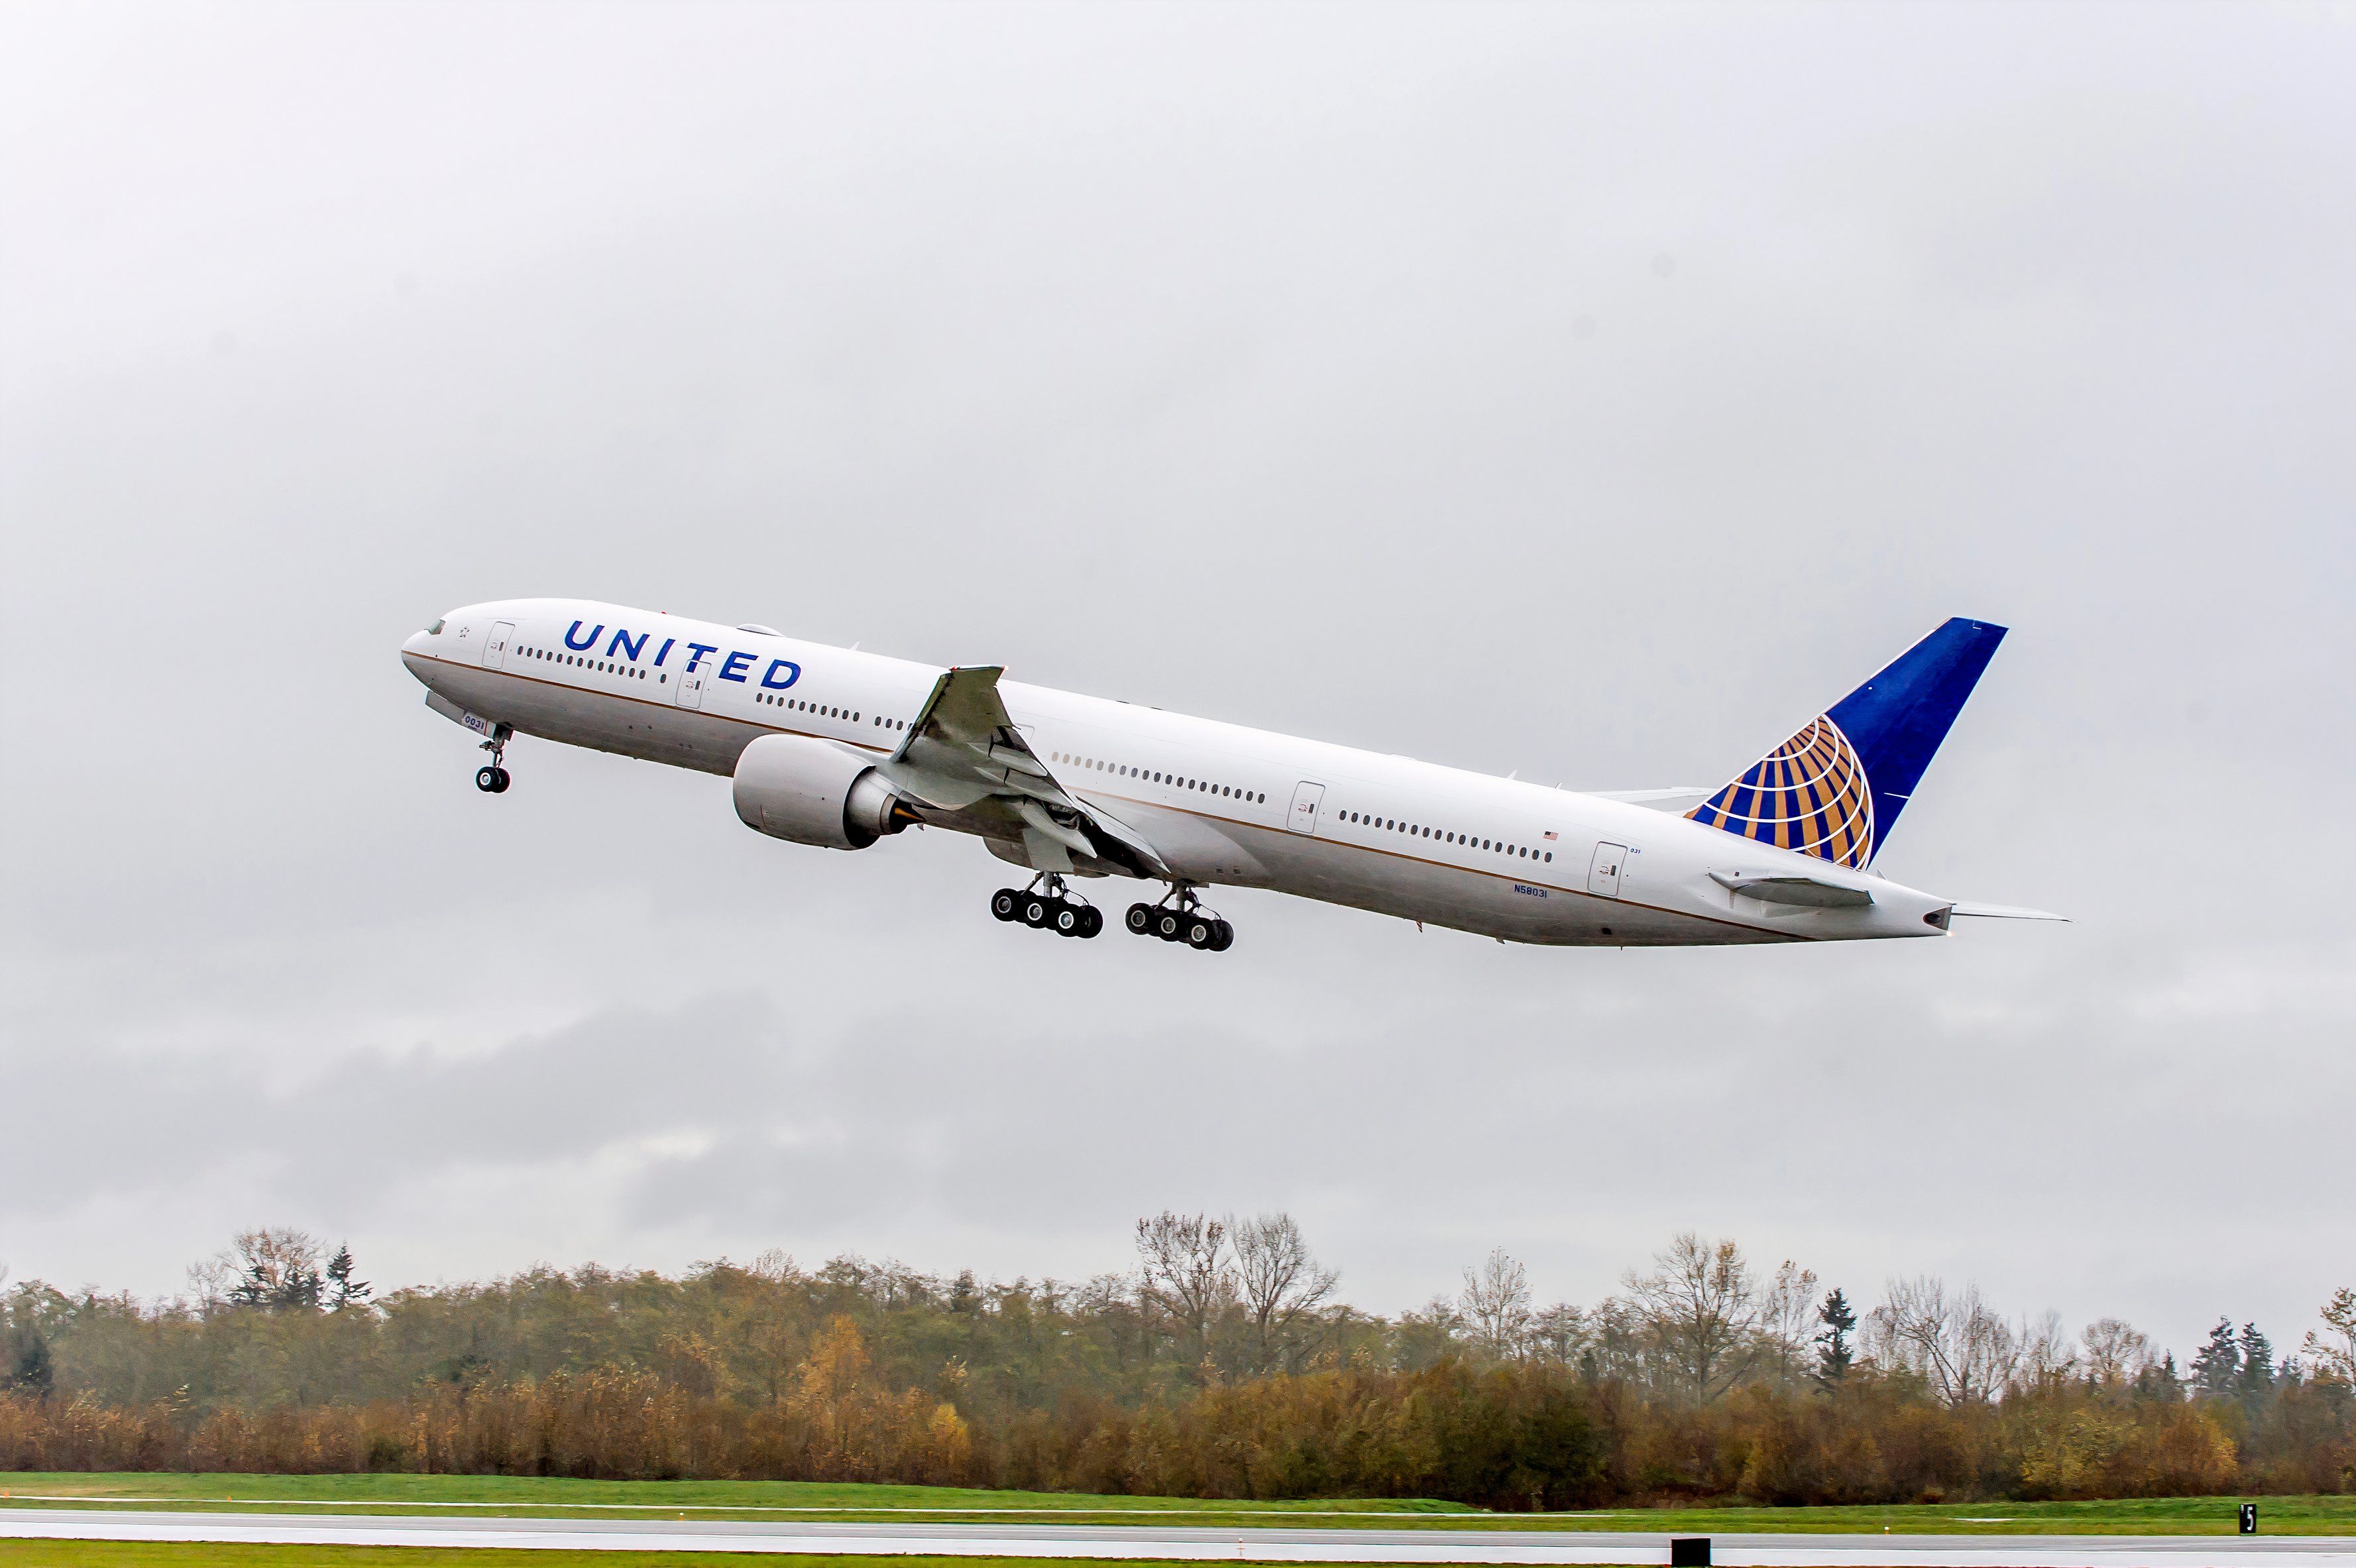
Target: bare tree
{"x":1283,"y":1285}
{"x":1559,"y":1333}
{"x":274,"y":1267}
{"x":1701,"y":1306}
{"x":2335,"y":1352}
{"x":1787,"y":1320}
{"x":2047,"y":1353}
{"x":1496,"y":1307}
{"x":1427,"y":1335}
{"x":1184,"y":1271}
{"x":1964,"y":1351}
{"x":2116,"y":1352}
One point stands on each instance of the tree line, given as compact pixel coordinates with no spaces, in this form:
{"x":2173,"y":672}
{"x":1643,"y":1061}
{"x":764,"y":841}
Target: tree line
{"x":1223,"y":1364}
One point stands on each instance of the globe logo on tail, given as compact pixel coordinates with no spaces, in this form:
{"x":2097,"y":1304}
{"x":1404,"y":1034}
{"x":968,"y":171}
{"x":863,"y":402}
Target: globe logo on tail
{"x":1809,"y":795}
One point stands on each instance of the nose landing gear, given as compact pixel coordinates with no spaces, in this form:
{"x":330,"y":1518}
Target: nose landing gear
{"x":1179,"y":919}
{"x":492,"y":778}
{"x":1046,"y":906}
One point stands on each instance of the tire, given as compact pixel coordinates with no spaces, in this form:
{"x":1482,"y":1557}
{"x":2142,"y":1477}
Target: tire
{"x":500,"y":787}
{"x":487,"y":779}
{"x":1091,"y":921}
{"x":1225,"y":940}
{"x":1067,"y":919}
{"x":1140,"y":919}
{"x":1201,"y":933}
{"x":1004,"y":905}
{"x":1036,"y":910}
{"x":1168,"y":926}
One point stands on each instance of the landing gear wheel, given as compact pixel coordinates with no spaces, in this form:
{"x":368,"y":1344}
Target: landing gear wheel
{"x":1202,"y":931}
{"x":491,"y":780}
{"x":1224,"y":938}
{"x":1036,"y":909}
{"x":1091,"y":921}
{"x":1169,"y":925}
{"x":1140,"y":919}
{"x":501,"y":786}
{"x":1006,"y":904}
{"x":1067,"y":918}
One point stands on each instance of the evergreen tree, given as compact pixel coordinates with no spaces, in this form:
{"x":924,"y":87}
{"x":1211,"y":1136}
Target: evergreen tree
{"x":343,"y":1290}
{"x":2257,"y":1375}
{"x":2161,"y":1381}
{"x":1833,"y":1356}
{"x":2218,"y":1368}
{"x":27,"y":1370}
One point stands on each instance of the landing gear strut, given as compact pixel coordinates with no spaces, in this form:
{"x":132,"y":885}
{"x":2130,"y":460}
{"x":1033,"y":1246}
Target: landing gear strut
{"x":492,"y":779}
{"x":1048,"y":905}
{"x":1179,"y":919}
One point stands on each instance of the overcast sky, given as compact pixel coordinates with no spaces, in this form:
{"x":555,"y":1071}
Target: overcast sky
{"x":1592,"y":392}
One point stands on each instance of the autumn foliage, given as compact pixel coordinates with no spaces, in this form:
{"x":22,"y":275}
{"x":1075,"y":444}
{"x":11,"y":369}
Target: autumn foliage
{"x":1178,"y":1380}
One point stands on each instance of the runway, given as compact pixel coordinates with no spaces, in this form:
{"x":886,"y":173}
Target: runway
{"x":1182,"y":1543}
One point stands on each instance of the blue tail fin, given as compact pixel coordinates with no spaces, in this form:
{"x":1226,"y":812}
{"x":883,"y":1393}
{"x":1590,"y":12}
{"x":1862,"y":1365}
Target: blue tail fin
{"x":1834,"y":789}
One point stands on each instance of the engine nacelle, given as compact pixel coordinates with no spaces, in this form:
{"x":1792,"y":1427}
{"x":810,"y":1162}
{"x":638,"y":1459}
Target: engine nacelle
{"x":811,"y":792}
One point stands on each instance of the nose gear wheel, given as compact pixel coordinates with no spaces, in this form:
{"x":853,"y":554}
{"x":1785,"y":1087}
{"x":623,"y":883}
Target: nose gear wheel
{"x":492,"y":778}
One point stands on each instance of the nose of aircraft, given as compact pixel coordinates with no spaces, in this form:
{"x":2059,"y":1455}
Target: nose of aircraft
{"x":417,"y":652}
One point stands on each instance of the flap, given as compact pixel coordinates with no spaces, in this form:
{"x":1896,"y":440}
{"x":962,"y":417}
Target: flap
{"x":963,"y":751}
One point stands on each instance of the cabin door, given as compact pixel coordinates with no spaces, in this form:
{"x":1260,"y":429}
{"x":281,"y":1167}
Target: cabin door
{"x":1603,"y":871}
{"x":1306,"y":800}
{"x":691,"y":687}
{"x":494,"y":647}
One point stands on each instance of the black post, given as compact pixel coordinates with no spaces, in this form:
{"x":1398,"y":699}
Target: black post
{"x":1690,"y":1551}
{"x":2249,"y":1519}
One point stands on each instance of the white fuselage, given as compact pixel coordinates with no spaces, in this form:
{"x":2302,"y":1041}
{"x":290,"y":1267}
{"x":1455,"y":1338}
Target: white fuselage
{"x":1221,"y":804}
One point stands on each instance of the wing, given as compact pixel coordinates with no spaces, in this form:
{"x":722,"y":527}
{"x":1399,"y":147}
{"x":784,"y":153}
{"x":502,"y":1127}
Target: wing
{"x":964,"y":757}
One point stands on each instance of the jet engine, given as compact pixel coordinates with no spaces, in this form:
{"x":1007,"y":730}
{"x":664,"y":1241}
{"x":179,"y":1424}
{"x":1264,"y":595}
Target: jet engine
{"x":815,"y":793}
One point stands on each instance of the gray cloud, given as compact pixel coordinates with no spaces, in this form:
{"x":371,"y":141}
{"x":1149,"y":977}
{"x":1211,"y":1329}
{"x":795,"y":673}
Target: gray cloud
{"x":1306,"y":368}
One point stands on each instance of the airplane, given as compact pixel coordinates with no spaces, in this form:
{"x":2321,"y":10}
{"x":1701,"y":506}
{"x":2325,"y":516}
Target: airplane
{"x":840,"y":749}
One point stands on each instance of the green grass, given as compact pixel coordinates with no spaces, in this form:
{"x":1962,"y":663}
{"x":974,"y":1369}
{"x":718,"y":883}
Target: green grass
{"x":783,"y":1501}
{"x":195,"y":1554}
{"x":540,"y":1496}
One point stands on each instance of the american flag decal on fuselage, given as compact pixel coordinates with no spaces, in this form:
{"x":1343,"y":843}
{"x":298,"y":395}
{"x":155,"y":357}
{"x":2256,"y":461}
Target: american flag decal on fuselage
{"x":1808,"y":794}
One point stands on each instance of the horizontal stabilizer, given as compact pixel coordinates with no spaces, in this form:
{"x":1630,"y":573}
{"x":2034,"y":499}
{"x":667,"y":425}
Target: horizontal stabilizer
{"x":1806,"y":892}
{"x":2005,"y":912}
{"x":1675,"y":799}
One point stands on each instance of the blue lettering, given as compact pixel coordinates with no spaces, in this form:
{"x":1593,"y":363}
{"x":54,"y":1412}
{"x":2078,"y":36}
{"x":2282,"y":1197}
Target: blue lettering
{"x":622,"y":643}
{"x":585,"y":645}
{"x":769,"y":676}
{"x":695,"y":652}
{"x":669,"y":642}
{"x":734,"y":669}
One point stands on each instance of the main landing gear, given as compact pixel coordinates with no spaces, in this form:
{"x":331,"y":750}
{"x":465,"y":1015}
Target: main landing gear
{"x":1046,"y":905}
{"x":1178,"y":919}
{"x":492,"y":778}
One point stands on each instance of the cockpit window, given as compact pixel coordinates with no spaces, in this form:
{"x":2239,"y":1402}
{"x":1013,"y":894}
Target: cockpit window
{"x":435,"y":629}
